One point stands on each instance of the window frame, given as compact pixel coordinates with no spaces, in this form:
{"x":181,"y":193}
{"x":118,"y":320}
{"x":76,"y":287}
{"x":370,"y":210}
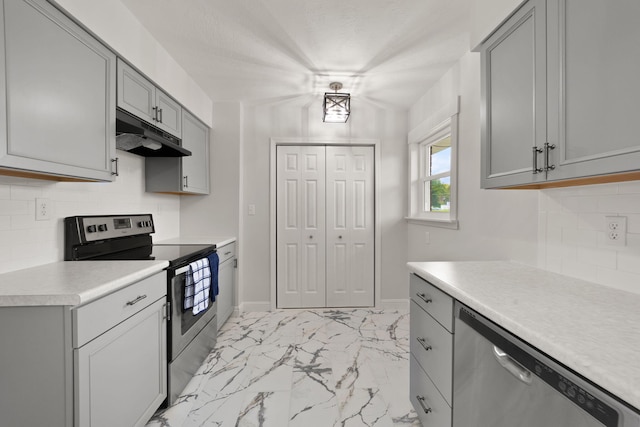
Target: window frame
{"x":417,"y":167}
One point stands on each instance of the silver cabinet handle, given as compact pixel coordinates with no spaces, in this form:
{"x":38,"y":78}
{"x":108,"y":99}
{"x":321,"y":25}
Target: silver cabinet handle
{"x":421,"y":400}
{"x":160,"y":114}
{"x":137,"y":300}
{"x":423,"y":343}
{"x":186,"y":181}
{"x":547,"y":148}
{"x":117,"y":162}
{"x":155,"y":114}
{"x":514,"y":368}
{"x":227,"y":253}
{"x":424,"y":298}
{"x":536,"y":151}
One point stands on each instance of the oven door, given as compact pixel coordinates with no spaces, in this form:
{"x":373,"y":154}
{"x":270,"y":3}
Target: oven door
{"x":184,"y":326}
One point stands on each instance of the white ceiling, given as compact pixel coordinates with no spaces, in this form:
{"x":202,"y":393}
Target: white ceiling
{"x":388,"y":52}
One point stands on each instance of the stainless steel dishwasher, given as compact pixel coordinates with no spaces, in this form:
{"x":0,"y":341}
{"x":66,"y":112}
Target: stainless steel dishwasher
{"x":501,"y":381}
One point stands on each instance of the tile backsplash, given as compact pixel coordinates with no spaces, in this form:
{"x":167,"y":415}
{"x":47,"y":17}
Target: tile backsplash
{"x":25,"y":242}
{"x":573,"y":239}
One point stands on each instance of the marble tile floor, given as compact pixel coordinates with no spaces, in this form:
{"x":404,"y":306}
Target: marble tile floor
{"x":310,"y":368}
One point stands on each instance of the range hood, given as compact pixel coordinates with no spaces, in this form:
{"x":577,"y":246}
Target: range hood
{"x":139,"y":137}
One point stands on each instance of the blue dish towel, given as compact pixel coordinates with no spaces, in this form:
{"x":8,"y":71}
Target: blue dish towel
{"x":214,"y":262}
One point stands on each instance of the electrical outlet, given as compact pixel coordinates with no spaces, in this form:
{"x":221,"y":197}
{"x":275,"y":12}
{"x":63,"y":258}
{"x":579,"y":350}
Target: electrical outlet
{"x":43,"y":211}
{"x":616,"y":230}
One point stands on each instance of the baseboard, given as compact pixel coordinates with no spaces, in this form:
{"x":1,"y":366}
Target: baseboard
{"x":394,"y":304}
{"x":246,"y":307}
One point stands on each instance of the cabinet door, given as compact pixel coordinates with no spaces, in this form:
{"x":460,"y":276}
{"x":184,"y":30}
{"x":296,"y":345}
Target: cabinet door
{"x":350,"y":227}
{"x":136,"y":94}
{"x":513,"y":99}
{"x":60,"y":94}
{"x":122,"y":374}
{"x":195,"y":168}
{"x":594,"y":64}
{"x":169,"y":114}
{"x":226,"y":284}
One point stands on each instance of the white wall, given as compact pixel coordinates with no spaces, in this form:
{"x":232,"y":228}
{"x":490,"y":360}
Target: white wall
{"x":118,"y":28}
{"x":301,"y":119}
{"x":25,"y":242}
{"x":217,"y":214}
{"x":572,"y":233}
{"x":493,"y":224}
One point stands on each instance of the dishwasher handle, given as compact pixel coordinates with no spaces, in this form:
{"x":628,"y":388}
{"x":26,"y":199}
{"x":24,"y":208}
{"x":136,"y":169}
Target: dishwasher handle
{"x":514,"y":368}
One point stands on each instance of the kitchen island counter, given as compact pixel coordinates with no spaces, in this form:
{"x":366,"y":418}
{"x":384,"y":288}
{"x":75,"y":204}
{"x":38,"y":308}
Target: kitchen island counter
{"x":592,"y":329}
{"x":72,"y":283}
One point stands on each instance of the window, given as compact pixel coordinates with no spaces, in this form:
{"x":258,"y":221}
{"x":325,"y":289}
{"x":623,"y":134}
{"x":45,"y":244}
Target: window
{"x":432,"y":161}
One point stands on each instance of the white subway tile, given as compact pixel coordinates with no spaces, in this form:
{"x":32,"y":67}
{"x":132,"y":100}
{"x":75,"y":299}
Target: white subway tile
{"x":598,"y":189}
{"x":629,"y":187}
{"x":579,"y":204}
{"x":591,"y":221}
{"x":622,"y":203}
{"x":5,"y":192}
{"x":579,"y":269}
{"x":24,"y":192}
{"x":598,"y":256}
{"x":15,"y":207}
{"x":629,"y":261}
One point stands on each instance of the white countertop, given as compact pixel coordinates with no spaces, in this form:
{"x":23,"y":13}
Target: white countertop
{"x":198,"y":240}
{"x":72,"y":282}
{"x":593,"y":329}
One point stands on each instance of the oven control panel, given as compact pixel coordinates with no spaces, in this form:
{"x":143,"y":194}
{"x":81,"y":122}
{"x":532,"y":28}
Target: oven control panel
{"x":94,"y":228}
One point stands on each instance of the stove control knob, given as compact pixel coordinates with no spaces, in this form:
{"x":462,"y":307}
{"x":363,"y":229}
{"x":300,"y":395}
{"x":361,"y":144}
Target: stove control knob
{"x":102,"y":227}
{"x":91,"y":229}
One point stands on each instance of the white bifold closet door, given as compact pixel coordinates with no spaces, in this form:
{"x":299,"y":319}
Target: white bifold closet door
{"x":325,"y":226}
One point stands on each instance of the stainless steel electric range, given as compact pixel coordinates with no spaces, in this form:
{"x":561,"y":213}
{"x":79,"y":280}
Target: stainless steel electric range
{"x":190,"y":337}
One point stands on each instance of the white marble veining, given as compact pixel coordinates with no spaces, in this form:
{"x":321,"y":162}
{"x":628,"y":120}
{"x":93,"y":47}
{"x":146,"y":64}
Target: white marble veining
{"x":592,"y":329}
{"x":197,"y":240}
{"x":72,"y":283}
{"x":308,"y":368}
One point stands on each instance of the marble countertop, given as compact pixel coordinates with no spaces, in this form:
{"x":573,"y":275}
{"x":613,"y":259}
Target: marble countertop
{"x":593,"y":329}
{"x":198,"y":240}
{"x":72,"y":283}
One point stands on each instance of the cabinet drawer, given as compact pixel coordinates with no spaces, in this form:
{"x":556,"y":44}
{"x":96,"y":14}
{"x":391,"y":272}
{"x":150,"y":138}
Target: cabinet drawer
{"x":95,"y":318}
{"x":226,"y":252}
{"x":432,"y":409}
{"x":433,"y":301}
{"x":432,"y":346}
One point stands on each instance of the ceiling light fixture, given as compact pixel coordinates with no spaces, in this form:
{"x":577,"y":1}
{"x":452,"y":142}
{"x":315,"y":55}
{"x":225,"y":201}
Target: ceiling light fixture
{"x":336,"y":106}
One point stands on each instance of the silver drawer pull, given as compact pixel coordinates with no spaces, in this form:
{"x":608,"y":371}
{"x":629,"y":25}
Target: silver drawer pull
{"x":137,"y":300}
{"x":227,"y":253}
{"x":423,"y":343}
{"x":421,"y":400}
{"x":424,"y":298}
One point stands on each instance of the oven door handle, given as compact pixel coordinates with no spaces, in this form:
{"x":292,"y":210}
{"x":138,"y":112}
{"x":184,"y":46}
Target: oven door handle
{"x":181,"y":270}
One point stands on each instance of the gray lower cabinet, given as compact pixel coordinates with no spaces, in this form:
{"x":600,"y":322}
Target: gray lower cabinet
{"x":559,"y":93}
{"x":101,"y":364}
{"x":185,"y":175}
{"x":57,"y":86}
{"x":140,"y":97}
{"x":226,"y":282}
{"x":431,"y":345}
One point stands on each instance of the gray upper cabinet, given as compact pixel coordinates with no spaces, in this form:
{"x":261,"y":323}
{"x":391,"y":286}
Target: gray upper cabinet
{"x":562,"y":107}
{"x":185,"y":175}
{"x":593,"y":87}
{"x":513,"y":97}
{"x":143,"y":99}
{"x":58,"y":87}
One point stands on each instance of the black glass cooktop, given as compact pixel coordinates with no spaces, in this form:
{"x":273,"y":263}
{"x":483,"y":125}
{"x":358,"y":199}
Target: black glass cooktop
{"x":176,"y":254}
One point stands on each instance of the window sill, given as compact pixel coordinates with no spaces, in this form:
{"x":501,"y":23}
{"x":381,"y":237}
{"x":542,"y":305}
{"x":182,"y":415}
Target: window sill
{"x":441,"y":223}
